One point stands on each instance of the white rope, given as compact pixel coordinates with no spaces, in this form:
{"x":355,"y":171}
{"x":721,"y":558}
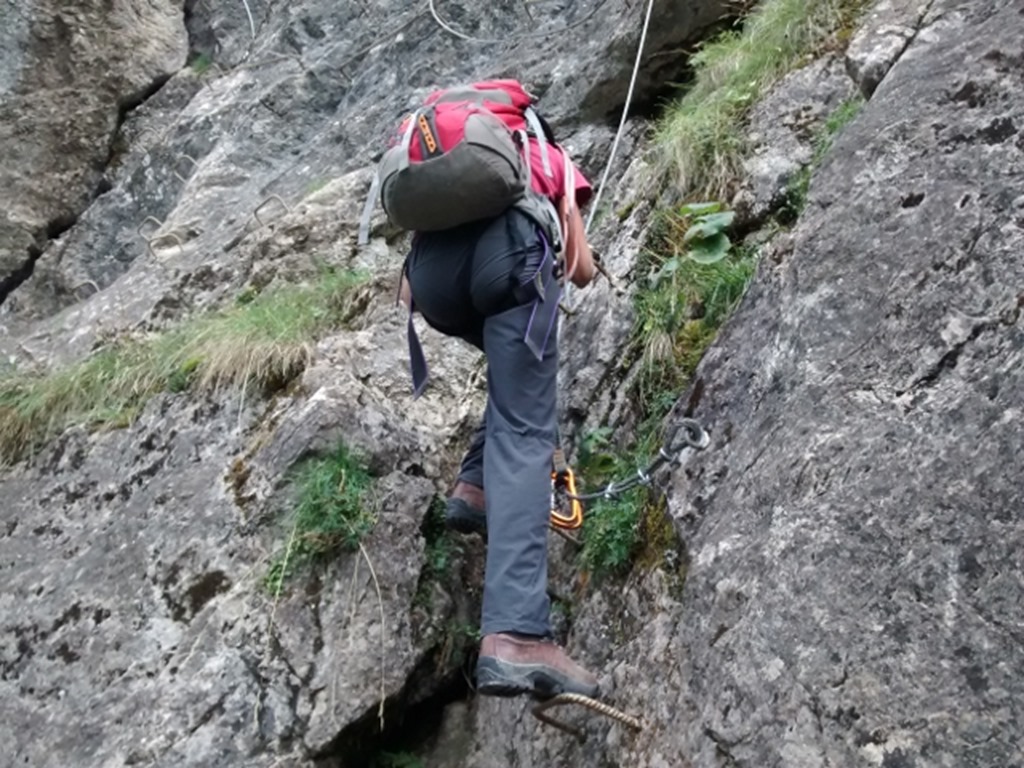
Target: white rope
{"x":622,"y":122}
{"x":248,"y":12}
{"x":629,"y":93}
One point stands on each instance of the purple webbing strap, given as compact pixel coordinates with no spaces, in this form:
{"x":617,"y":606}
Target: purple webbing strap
{"x":546,"y":306}
{"x":417,"y":360}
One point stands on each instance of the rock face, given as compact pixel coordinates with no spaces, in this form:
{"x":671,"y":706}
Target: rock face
{"x":68,"y":72}
{"x":853,"y":585}
{"x":883,"y":37}
{"x":135,"y":625}
{"x":783,"y":128}
{"x":854,"y":528}
{"x":846,"y":589}
{"x":259,"y":121}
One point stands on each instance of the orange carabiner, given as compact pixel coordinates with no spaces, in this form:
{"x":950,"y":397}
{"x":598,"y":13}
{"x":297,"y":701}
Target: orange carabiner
{"x":564,"y":484}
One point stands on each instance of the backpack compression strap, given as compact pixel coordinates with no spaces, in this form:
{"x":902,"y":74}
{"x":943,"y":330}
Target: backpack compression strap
{"x":426,"y":134}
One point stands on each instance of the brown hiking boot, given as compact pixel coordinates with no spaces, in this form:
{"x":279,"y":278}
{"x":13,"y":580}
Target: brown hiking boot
{"x":465,"y":510}
{"x":513,"y":664}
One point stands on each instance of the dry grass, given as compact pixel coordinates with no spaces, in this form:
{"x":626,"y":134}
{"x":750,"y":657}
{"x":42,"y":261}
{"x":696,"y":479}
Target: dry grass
{"x":702,"y":135}
{"x":259,"y":345}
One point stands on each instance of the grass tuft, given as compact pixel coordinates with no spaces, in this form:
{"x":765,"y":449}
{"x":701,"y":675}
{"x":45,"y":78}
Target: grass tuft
{"x":331,"y":514}
{"x":702,"y":135}
{"x":796,"y":193}
{"x":611,"y":527}
{"x":262,"y":344}
{"x":679,"y":312}
{"x":678,"y":315}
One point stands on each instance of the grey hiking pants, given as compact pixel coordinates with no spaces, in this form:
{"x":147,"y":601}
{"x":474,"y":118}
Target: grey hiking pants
{"x":478,"y":282}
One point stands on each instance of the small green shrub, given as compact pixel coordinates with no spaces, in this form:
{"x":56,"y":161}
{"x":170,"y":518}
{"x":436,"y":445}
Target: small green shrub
{"x":684,"y":301}
{"x":611,"y":526}
{"x":611,"y":533}
{"x":180,"y":379}
{"x":695,"y":232}
{"x":332,"y":514}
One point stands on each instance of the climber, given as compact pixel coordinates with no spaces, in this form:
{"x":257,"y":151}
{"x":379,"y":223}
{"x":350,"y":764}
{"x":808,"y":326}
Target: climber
{"x":496,"y":284}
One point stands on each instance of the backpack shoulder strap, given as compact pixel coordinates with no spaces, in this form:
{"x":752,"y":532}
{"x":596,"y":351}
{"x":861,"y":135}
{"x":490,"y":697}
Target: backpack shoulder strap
{"x":368,"y":206}
{"x":533,"y":120}
{"x":545,"y":126}
{"x":565,"y":222}
{"x":371,"y":196}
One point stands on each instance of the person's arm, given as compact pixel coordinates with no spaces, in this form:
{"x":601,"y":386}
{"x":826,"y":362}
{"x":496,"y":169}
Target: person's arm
{"x":579,"y":258}
{"x":405,"y":292}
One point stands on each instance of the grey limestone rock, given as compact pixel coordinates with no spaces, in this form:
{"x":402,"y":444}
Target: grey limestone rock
{"x":882,"y":38}
{"x":69,"y":70}
{"x":783,"y":129}
{"x":134,"y":622}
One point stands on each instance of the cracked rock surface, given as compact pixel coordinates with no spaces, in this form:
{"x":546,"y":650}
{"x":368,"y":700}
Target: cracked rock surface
{"x":67,"y":72}
{"x":136,"y":627}
{"x":845,"y":589}
{"x":853,"y":595}
{"x":883,"y":37}
{"x":852,"y":591}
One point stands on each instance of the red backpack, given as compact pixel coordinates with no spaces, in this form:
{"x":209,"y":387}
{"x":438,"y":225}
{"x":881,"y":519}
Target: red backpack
{"x":462,"y":156}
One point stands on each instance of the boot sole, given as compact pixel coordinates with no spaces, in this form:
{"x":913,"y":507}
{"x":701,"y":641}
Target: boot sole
{"x":495,"y":677}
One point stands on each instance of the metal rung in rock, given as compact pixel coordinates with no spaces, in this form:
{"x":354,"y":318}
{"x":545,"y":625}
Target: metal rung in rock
{"x":601,"y":708}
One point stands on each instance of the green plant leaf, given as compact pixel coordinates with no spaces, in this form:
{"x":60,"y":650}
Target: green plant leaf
{"x":709,"y":226}
{"x":700,"y":209}
{"x":700,"y":231}
{"x":711,"y":249}
{"x":721,"y":220}
{"x":601,"y":464}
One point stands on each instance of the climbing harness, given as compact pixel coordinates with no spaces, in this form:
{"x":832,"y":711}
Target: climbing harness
{"x":567,"y":503}
{"x":540,"y":712}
